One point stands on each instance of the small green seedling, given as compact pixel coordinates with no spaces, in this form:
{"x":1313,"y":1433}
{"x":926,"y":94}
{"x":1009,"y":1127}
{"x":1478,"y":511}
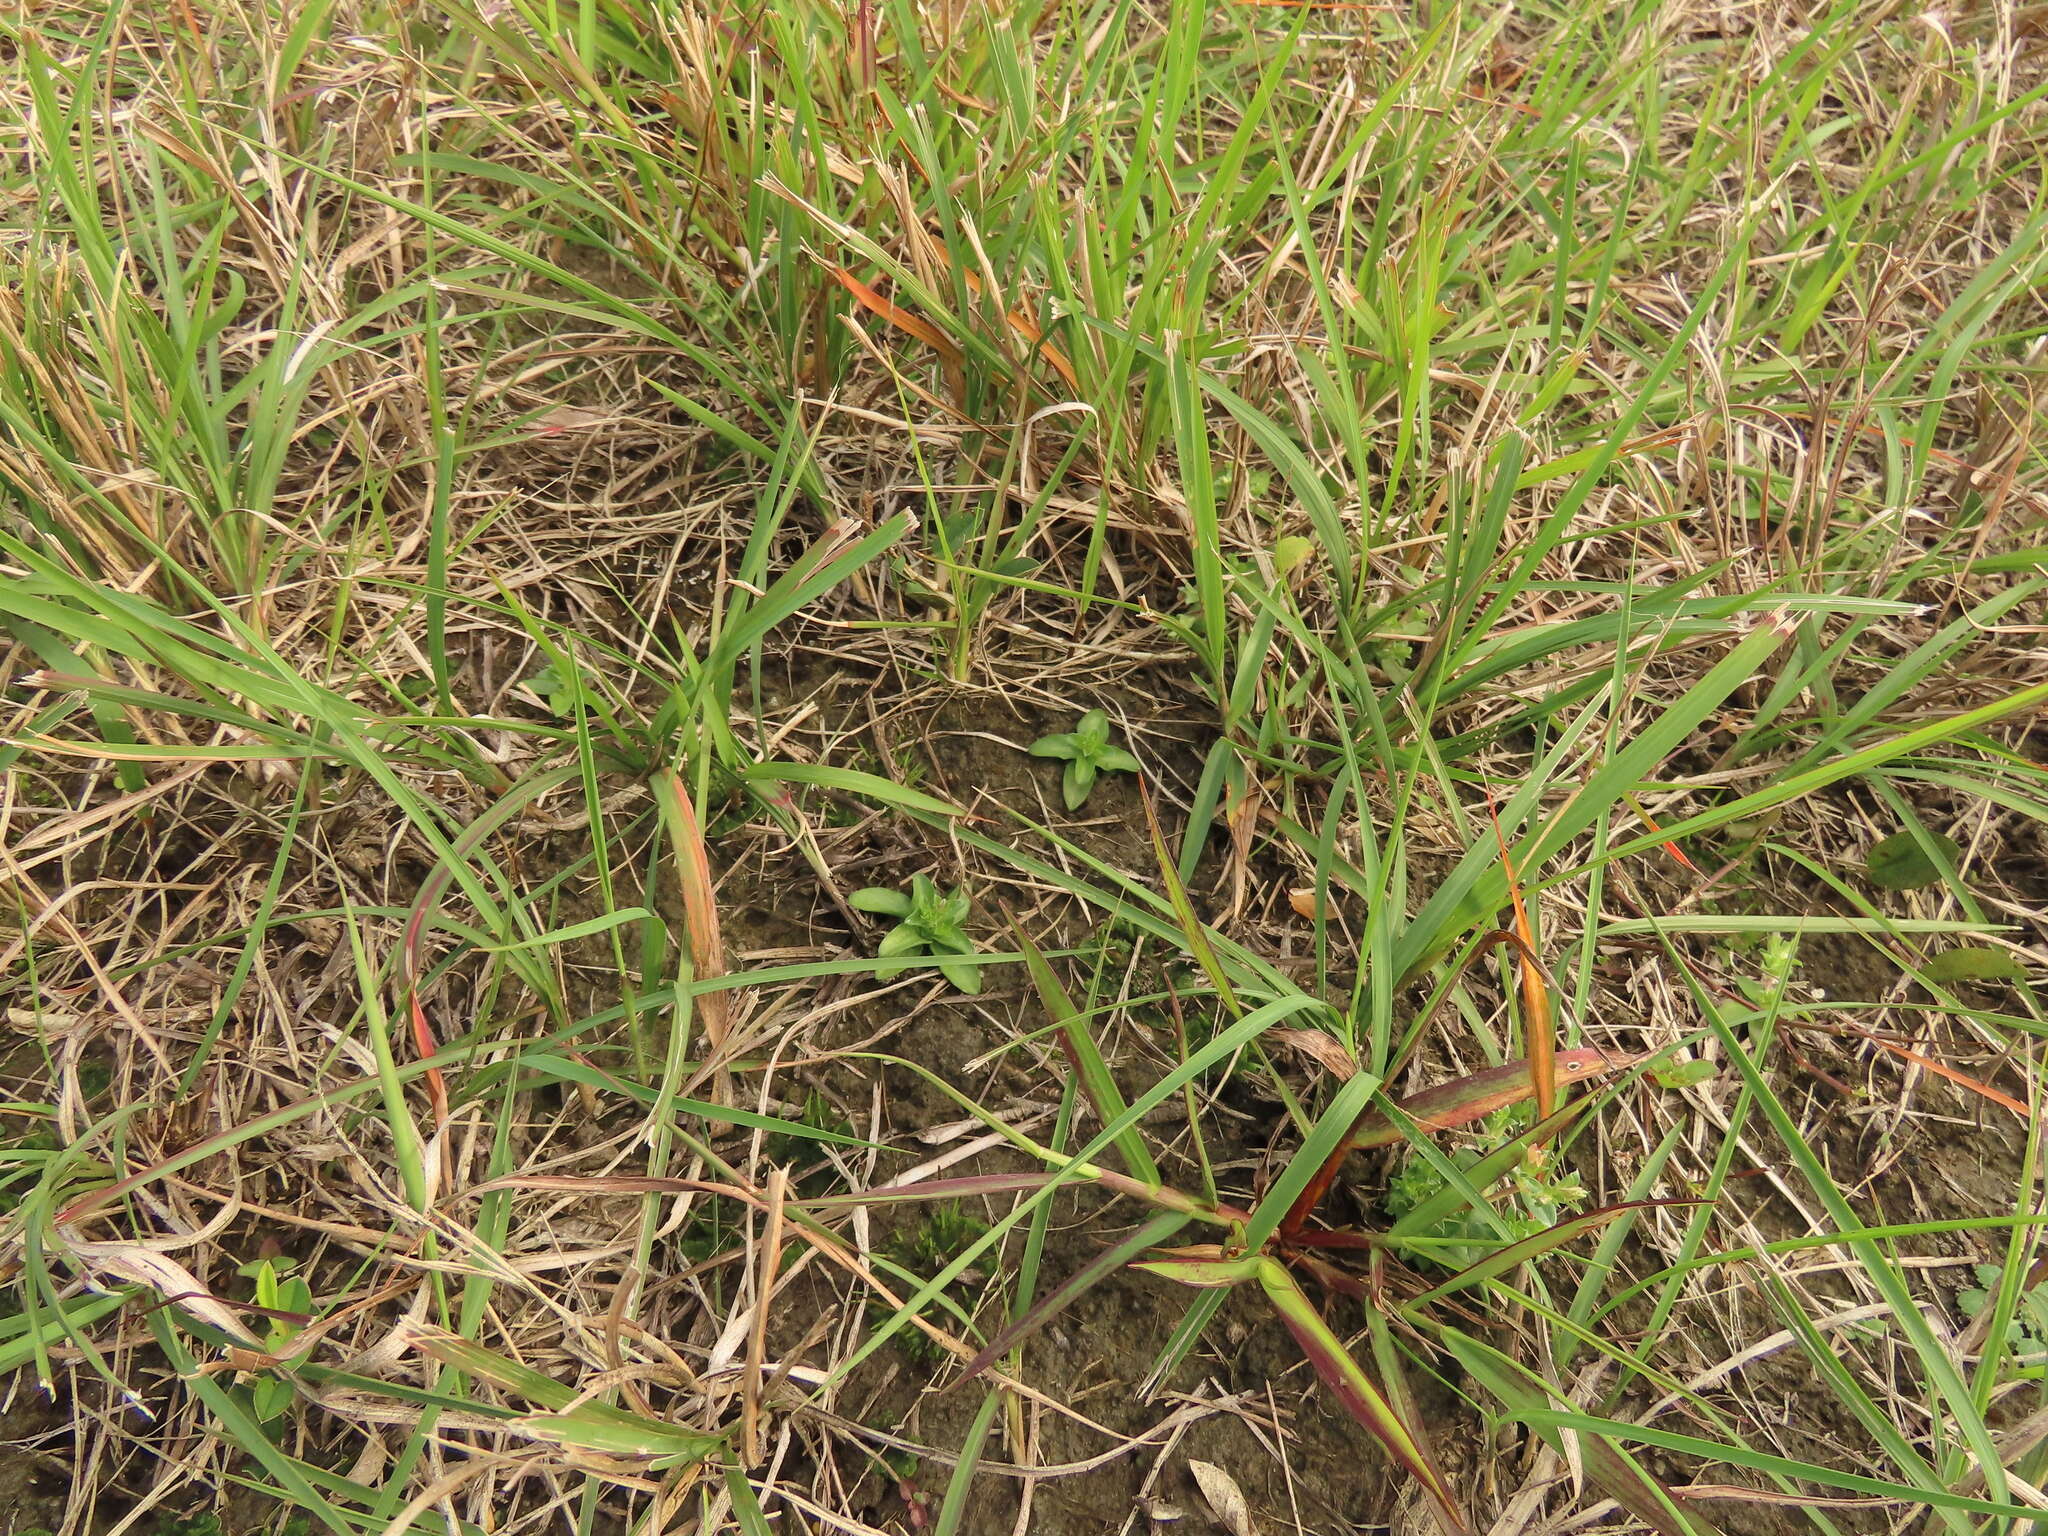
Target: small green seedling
{"x":2027,"y":1334}
{"x":921,"y":1251}
{"x":1537,"y":1198}
{"x":556,"y":690}
{"x":1087,"y":752}
{"x":1683,"y":1074}
{"x":947,"y":1231}
{"x":927,"y":924}
{"x":278,"y":1291}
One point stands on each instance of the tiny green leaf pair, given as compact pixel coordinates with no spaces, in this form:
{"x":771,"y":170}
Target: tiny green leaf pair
{"x":927,"y":924}
{"x":1087,"y":751}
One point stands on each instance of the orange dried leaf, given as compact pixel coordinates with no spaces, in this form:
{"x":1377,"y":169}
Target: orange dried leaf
{"x":424,"y":1042}
{"x":1649,"y":822}
{"x":1961,"y":1079}
{"x":1466,"y":1099}
{"x":899,"y":317}
{"x":1029,"y":329}
{"x":700,"y":906}
{"x":1538,"y":1021}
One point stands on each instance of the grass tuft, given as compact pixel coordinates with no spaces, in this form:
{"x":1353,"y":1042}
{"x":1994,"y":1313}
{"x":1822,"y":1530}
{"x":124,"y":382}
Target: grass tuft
{"x":717,"y":721}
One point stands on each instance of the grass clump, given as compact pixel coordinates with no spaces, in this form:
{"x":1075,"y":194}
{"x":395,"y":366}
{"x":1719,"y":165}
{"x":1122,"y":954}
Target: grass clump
{"x":516,"y":515}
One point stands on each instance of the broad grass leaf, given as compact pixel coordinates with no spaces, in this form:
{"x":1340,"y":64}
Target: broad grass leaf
{"x":1973,"y":964}
{"x":1901,"y":862}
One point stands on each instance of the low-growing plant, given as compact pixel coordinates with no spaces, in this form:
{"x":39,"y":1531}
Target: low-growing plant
{"x":1088,"y":751}
{"x":810,"y":1173}
{"x":924,"y":1248}
{"x":928,"y":924}
{"x":283,"y":1296}
{"x":560,"y":695}
{"x":946,"y":1231}
{"x":1536,"y":1195}
{"x":1910,"y":860}
{"x":2026,"y":1334}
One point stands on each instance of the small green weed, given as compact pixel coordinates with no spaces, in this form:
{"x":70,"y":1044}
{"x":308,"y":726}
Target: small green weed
{"x":1907,"y":861}
{"x":927,"y":924}
{"x":1776,"y":958}
{"x":1087,"y":751}
{"x":559,"y":694}
{"x":268,"y":1395}
{"x":2027,"y":1337}
{"x":939,"y":1239}
{"x":1533,"y":1199}
{"x":94,"y":1079}
{"x":947,"y":1230}
{"x":819,"y":1114}
{"x":709,"y":1232}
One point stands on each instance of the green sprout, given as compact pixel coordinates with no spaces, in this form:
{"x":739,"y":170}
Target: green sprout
{"x":556,"y":689}
{"x":2026,"y":1336}
{"x":1087,"y":752}
{"x":277,"y":1290}
{"x":1536,"y":1198}
{"x":921,"y":1251}
{"x":927,"y":924}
